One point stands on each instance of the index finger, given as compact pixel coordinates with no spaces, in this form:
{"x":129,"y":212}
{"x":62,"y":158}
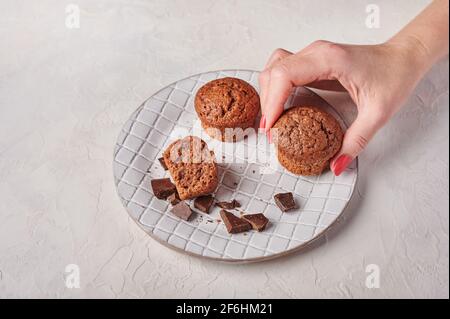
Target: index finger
{"x":276,"y":56}
{"x":295,"y":70}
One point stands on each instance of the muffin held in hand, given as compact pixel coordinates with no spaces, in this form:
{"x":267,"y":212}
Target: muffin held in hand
{"x":306,"y":139}
{"x":226,"y":107}
{"x":192,"y":167}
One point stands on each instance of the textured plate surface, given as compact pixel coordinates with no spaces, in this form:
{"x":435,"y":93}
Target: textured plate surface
{"x":170,"y":114}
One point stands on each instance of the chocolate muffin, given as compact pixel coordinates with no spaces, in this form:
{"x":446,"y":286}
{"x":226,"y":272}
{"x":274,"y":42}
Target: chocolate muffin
{"x":226,"y":107}
{"x":306,"y":139}
{"x":192,"y":167}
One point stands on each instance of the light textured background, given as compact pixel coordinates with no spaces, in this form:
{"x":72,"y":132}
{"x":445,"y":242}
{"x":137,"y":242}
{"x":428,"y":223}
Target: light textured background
{"x":65,"y":93}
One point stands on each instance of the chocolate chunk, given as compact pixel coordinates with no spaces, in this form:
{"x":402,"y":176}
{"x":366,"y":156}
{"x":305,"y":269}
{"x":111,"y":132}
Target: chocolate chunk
{"x":233,"y":223}
{"x":284,"y":201}
{"x":258,"y":221}
{"x":163,"y":188}
{"x":173,"y":199}
{"x":204,"y":203}
{"x":163,"y":164}
{"x":229,"y":205}
{"x":182,"y":210}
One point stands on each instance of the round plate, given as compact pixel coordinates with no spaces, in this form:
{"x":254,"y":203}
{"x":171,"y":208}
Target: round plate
{"x":247,"y":172}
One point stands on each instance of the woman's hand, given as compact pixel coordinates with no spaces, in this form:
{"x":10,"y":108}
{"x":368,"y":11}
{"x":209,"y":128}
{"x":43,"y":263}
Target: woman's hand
{"x":379,"y":79}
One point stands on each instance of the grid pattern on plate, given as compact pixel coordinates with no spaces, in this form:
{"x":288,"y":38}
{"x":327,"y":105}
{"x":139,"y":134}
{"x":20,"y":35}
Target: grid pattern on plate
{"x":149,"y":131}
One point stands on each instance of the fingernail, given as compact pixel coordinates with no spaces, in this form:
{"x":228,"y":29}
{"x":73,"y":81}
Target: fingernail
{"x":262,"y":122}
{"x":341,"y":164}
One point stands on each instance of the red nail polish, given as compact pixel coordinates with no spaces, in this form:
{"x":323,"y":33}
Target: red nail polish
{"x":341,"y":164}
{"x":262,"y":122}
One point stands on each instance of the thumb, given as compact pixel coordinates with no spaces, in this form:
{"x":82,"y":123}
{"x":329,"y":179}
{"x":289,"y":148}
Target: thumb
{"x":355,"y":140}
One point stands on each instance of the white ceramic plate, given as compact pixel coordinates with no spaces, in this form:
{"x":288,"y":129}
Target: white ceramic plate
{"x":169,"y":114}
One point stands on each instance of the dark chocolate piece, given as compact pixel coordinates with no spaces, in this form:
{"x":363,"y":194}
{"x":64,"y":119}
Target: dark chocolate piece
{"x":258,"y":221}
{"x":182,"y":210}
{"x":163,"y":187}
{"x":173,"y":199}
{"x":233,"y":223}
{"x":229,"y":205}
{"x":204,"y":203}
{"x":284,"y":201}
{"x":163,"y":164}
